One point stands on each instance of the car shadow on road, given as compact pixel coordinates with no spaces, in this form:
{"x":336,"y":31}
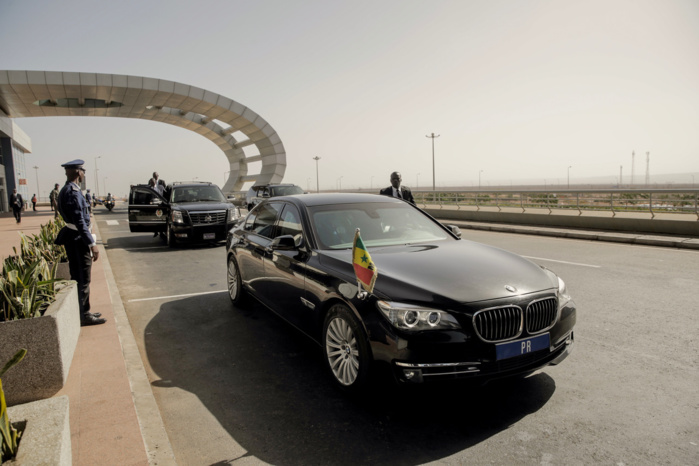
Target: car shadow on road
{"x":265,"y":384}
{"x":146,"y":243}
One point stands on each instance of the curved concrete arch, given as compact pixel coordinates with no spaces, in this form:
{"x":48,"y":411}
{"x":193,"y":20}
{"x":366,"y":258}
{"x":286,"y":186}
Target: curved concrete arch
{"x":227,"y":123}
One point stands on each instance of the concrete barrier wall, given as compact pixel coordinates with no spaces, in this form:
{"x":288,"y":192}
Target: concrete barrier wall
{"x":681,"y":225}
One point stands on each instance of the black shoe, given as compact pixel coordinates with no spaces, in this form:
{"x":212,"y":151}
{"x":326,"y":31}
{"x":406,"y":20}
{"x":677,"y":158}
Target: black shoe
{"x":91,"y":320}
{"x":96,"y":314}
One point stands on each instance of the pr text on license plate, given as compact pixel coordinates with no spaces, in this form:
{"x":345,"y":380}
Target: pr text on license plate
{"x":512,"y":349}
{"x":209,"y":235}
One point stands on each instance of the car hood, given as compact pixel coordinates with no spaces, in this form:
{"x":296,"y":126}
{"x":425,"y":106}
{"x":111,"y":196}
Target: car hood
{"x":462,"y":271}
{"x":203,"y":205}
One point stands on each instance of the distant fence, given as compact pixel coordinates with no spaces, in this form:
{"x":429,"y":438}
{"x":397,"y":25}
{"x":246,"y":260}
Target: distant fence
{"x":650,"y":201}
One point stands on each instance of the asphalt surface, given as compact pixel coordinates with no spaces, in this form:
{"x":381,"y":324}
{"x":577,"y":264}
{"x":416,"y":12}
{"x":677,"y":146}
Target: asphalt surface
{"x":241,"y":386}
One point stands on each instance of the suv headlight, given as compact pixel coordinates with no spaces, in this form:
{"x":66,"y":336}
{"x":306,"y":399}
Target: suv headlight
{"x":177,"y":217}
{"x":416,"y":318}
{"x":233,"y":215}
{"x":563,"y":296}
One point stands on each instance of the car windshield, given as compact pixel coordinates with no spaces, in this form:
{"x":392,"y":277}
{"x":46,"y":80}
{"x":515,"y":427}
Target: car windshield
{"x":197,"y":194}
{"x":285,"y":190}
{"x":380,"y":224}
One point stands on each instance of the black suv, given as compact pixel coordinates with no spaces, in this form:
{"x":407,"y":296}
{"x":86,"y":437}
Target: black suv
{"x":257,"y":193}
{"x":185,"y":212}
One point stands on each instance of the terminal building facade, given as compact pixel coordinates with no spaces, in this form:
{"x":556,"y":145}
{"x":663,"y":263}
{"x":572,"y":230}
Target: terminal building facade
{"x":14,"y":147}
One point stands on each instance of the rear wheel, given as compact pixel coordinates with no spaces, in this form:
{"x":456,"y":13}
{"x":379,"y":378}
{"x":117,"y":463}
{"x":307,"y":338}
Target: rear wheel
{"x":346,"y":349}
{"x":238,"y":295}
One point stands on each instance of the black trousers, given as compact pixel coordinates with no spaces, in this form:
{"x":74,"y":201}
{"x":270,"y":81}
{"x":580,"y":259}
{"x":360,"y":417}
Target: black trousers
{"x":18,"y":213}
{"x":80,"y":264}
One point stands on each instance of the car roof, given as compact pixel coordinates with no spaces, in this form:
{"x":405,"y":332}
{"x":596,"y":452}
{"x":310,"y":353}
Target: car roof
{"x":311,"y":200}
{"x":271,"y":185}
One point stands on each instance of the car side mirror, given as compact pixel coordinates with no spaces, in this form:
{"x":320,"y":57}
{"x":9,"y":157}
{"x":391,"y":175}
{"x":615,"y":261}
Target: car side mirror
{"x":456,"y":230}
{"x":285,"y":243}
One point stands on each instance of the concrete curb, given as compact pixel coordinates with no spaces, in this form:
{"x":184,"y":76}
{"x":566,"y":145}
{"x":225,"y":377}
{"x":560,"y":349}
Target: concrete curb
{"x":617,"y":237}
{"x":153,"y":431}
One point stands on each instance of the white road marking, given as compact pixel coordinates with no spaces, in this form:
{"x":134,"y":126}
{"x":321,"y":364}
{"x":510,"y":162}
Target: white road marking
{"x":177,"y":296}
{"x":563,"y":262}
{"x":112,"y":222}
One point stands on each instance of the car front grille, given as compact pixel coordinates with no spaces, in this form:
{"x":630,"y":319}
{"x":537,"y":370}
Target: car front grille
{"x":208,"y":218}
{"x":541,"y":315}
{"x":498,"y":324}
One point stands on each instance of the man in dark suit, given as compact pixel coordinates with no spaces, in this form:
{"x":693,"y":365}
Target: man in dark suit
{"x":80,"y":243}
{"x":396,"y":190}
{"x":17,"y":203}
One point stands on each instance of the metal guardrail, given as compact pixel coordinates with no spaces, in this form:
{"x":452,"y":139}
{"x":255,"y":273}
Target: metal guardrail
{"x":651,"y":201}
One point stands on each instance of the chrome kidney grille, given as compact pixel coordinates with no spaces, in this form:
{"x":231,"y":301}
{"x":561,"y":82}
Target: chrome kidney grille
{"x":208,"y":218}
{"x":507,"y":322}
{"x":541,"y":315}
{"x":498,"y":324}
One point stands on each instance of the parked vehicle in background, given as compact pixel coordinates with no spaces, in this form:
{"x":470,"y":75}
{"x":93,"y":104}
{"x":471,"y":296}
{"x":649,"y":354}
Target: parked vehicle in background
{"x":442,"y":308}
{"x":191,"y":212}
{"x":258,"y":193}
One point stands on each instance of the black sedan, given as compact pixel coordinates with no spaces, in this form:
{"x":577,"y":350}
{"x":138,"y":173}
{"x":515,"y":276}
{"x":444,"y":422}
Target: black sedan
{"x":442,"y":308}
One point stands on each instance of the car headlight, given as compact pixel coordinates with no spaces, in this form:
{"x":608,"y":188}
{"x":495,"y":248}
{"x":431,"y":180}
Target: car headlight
{"x":416,"y":318}
{"x":563,"y":296}
{"x":233,"y":215}
{"x":177,"y":217}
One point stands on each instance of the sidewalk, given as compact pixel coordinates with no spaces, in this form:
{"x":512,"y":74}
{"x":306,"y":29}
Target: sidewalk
{"x":113,"y":416}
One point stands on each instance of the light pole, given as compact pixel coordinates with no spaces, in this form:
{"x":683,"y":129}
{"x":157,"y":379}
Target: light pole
{"x":432,"y":136}
{"x":569,"y":167}
{"x":417,"y":184}
{"x":37,"y":181}
{"x":97,"y":188}
{"x":339,"y":181}
{"x":316,"y":158}
{"x":479,"y":179}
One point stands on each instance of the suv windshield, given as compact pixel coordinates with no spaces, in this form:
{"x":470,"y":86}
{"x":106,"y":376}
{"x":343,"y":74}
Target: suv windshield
{"x":285,"y":190}
{"x":197,"y":194}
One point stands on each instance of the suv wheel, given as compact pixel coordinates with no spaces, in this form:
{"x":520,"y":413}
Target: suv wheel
{"x":170,"y":237}
{"x":346,"y":349}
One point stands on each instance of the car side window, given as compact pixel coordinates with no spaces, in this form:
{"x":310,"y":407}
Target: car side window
{"x":144,"y":197}
{"x":289,"y":222}
{"x":267,"y":214}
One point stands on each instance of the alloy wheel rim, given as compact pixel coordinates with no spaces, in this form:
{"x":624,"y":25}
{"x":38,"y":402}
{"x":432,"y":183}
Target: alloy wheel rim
{"x":342,"y":351}
{"x":232,"y":280}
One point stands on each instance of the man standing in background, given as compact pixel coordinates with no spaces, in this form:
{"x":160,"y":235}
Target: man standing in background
{"x":17,"y":203}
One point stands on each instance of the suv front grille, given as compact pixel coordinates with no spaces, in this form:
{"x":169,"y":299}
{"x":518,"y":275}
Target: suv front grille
{"x":498,"y":324}
{"x":541,"y":315}
{"x":208,"y":218}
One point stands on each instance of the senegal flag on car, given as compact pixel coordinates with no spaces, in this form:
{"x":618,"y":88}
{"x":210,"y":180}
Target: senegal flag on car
{"x":364,"y":267}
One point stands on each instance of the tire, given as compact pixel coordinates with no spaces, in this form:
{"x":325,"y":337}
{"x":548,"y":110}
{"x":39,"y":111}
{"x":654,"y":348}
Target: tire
{"x":170,"y":237}
{"x":239,"y":297}
{"x":346,"y":349}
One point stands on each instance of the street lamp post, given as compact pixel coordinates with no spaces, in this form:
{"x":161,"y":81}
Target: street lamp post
{"x":479,"y":179}
{"x":569,"y":167}
{"x":432,"y":136}
{"x":316,"y":158}
{"x":339,"y":181}
{"x":97,"y":188}
{"x":38,"y":191}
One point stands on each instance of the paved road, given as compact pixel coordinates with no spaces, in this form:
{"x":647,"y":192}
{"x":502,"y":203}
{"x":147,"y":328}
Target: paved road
{"x":241,"y":386}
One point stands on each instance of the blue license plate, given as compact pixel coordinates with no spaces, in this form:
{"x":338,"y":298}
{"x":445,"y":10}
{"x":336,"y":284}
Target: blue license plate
{"x":513,"y":349}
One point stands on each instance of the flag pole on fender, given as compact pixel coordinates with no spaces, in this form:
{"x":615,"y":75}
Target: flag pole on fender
{"x":364,"y":268}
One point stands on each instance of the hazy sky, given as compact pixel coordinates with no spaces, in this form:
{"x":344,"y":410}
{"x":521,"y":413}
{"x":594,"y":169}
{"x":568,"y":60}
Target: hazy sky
{"x":518,"y":89}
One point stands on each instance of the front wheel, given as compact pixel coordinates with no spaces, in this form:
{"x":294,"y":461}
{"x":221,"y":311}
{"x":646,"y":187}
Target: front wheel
{"x":170,"y":237}
{"x":235,"y":284}
{"x":346,"y":349}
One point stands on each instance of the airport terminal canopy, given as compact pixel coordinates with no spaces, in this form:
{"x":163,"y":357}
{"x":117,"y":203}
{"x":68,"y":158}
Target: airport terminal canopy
{"x":227,"y":123}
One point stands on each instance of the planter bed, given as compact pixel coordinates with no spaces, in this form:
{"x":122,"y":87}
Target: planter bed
{"x":46,"y":433}
{"x":50,"y":341}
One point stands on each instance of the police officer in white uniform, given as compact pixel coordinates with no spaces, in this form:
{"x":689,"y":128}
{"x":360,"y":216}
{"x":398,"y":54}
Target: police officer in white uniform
{"x":77,"y":238}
